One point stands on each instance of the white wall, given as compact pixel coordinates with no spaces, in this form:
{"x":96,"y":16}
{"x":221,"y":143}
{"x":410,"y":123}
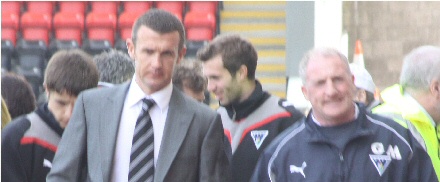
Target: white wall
{"x":327,"y":32}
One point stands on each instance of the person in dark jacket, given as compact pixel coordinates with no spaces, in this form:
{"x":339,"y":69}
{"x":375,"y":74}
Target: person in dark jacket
{"x":339,"y":140}
{"x":30,"y":141}
{"x":251,"y":117}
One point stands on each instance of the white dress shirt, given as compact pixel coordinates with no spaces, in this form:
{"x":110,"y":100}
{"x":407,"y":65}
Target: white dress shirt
{"x":131,"y":110}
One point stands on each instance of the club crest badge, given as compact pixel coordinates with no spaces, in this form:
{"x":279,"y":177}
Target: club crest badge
{"x":258,"y":136}
{"x":381,"y":162}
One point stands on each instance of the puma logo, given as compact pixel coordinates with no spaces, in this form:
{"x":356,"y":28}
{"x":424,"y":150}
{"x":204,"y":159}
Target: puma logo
{"x":47,"y":163}
{"x":295,"y":169}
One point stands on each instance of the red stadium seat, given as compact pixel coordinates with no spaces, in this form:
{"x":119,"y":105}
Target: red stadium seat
{"x":68,"y":26}
{"x":205,"y":6}
{"x":125,"y":23}
{"x":9,"y":26}
{"x":12,"y":7}
{"x":45,"y":7}
{"x":200,"y":26}
{"x":105,"y":7}
{"x":136,"y":6}
{"x":101,"y":26}
{"x":174,"y":7}
{"x":11,"y":11}
{"x":72,"y":6}
{"x":36,"y":26}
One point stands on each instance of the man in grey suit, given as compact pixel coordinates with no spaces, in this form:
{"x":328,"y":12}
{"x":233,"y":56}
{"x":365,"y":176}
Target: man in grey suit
{"x":188,"y":136}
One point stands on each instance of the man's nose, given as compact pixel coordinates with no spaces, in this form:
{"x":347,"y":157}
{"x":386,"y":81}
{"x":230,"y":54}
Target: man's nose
{"x":156,"y":61}
{"x":68,"y":112}
{"x":330,"y":88}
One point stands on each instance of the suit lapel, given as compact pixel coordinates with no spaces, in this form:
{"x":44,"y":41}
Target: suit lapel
{"x":177,"y":123}
{"x":109,"y":125}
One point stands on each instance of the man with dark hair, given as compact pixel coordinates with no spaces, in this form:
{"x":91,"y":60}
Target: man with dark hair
{"x":251,"y":117}
{"x":188,"y":77}
{"x":115,"y":67}
{"x":145,"y":130}
{"x":29,"y":142}
{"x":340,"y":140}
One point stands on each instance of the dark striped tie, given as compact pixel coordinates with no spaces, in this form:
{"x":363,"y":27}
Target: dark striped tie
{"x":142,"y":150}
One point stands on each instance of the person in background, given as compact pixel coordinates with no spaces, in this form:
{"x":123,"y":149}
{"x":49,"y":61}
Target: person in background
{"x":30,"y":141}
{"x":115,"y":67}
{"x":146,"y":129}
{"x":188,"y":77}
{"x":339,"y":140}
{"x":18,"y":94}
{"x":251,"y":117}
{"x":415,"y":102}
{"x":6,"y":117}
{"x":365,"y":87}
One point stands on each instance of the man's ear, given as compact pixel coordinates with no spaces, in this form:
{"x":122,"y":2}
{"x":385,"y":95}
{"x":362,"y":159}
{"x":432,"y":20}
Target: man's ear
{"x":434,"y":87}
{"x":304,"y":91}
{"x":46,"y":90}
{"x":181,"y":54}
{"x":242,"y":72}
{"x":130,"y":47}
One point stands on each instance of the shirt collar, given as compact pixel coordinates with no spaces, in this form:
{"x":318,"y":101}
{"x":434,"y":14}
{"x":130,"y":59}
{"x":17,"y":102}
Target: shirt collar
{"x":161,"y":97}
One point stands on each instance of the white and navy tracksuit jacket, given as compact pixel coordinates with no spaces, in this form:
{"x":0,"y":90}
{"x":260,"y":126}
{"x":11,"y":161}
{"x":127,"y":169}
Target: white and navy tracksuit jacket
{"x":380,"y":150}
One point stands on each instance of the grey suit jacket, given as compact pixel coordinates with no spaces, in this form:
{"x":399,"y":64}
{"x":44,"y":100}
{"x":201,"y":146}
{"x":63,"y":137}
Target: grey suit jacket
{"x":191,"y":149}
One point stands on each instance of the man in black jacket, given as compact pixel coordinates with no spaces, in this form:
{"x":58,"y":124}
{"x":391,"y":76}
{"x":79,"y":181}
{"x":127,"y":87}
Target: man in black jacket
{"x":251,"y":117}
{"x":29,"y":142}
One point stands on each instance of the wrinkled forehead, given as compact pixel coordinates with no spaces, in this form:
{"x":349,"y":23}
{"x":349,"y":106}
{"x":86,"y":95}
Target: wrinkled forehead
{"x":328,"y":60}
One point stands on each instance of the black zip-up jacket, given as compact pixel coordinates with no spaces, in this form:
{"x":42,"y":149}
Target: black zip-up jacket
{"x":251,"y":125}
{"x":29,"y":144}
{"x":379,"y":150}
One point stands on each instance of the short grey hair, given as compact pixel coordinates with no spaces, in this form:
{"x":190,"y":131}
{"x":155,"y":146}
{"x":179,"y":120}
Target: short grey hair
{"x":114,"y":66}
{"x":420,"y":67}
{"x":325,"y":52}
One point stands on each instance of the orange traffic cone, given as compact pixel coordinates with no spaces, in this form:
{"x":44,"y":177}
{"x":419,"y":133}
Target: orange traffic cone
{"x":358,"y":57}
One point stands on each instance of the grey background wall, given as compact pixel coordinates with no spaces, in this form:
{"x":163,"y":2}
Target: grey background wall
{"x":388,"y":31}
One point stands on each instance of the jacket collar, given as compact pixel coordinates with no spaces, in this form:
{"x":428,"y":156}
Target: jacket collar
{"x":49,"y":119}
{"x":362,"y":127}
{"x":239,"y":111}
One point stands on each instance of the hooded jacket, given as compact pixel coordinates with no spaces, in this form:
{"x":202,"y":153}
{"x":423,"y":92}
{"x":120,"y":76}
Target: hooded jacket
{"x":29,"y":144}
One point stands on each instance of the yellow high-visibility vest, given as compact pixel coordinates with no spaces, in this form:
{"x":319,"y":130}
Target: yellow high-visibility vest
{"x":403,"y":110}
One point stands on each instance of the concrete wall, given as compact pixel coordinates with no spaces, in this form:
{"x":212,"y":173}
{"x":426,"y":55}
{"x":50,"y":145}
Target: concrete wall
{"x":388,"y":31}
